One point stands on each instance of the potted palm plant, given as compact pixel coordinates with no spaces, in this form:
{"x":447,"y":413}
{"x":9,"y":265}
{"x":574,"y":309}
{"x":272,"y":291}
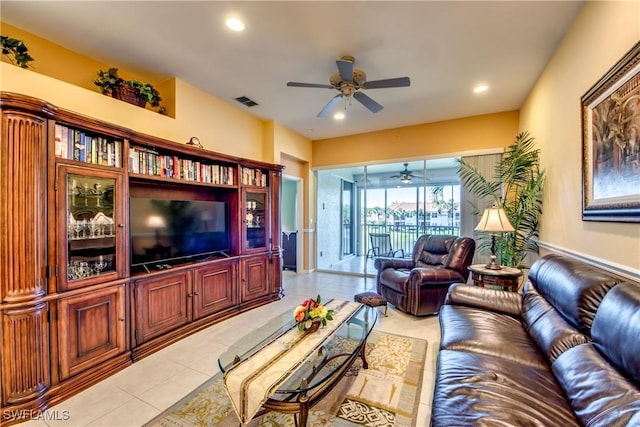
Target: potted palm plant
{"x":519,"y":178}
{"x":16,"y":51}
{"x":131,"y":91}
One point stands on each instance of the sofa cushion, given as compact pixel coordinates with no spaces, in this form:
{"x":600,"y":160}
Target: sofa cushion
{"x":488,"y":333}
{"x":616,"y":329}
{"x":550,"y":331}
{"x":432,"y":250}
{"x":573,"y":288}
{"x":480,"y":390}
{"x":600,"y":395}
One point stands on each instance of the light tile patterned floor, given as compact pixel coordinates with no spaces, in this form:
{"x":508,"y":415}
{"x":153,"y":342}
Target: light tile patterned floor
{"x":140,"y":392}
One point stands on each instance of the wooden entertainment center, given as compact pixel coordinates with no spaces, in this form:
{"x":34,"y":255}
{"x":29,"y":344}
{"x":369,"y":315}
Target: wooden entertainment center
{"x":74,"y":310}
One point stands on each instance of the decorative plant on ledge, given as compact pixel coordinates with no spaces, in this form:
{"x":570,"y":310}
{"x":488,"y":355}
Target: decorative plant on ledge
{"x":16,"y":51}
{"x":519,"y":178}
{"x":131,"y":91}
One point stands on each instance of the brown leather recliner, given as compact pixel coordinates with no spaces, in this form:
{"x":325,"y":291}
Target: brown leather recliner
{"x":419,"y":285}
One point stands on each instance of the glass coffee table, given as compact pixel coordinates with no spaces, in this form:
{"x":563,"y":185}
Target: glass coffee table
{"x":315,"y":376}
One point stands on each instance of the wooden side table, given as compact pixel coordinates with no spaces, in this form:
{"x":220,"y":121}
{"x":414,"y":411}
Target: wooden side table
{"x":507,"y":278}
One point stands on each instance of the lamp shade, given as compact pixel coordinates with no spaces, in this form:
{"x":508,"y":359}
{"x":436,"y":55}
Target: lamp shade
{"x":155,"y":221}
{"x":494,"y":219}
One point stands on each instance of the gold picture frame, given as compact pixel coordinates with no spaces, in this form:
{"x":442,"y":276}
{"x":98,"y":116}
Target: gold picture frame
{"x":611,"y":144}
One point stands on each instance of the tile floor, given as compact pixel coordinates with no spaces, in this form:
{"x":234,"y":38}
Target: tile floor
{"x":140,"y":392}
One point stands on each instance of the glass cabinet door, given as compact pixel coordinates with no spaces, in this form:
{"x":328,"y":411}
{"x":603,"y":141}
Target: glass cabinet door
{"x":255,"y":221}
{"x":93,"y":227}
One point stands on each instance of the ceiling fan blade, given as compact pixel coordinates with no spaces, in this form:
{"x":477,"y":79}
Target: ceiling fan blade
{"x":318,"y":85}
{"x":346,"y":70}
{"x":327,"y":108}
{"x":381,"y":84}
{"x":372,"y":105}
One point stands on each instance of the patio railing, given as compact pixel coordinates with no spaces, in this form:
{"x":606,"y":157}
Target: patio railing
{"x":404,"y":236}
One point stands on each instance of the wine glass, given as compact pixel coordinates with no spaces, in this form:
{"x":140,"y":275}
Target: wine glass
{"x":100,"y":264}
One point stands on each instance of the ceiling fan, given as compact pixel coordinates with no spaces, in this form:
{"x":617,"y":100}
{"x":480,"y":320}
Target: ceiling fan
{"x":349,"y":81}
{"x":405,"y":175}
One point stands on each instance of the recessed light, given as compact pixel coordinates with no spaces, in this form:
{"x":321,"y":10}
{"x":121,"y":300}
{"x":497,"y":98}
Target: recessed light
{"x":235,"y":24}
{"x":338,"y":116}
{"x":480,"y":88}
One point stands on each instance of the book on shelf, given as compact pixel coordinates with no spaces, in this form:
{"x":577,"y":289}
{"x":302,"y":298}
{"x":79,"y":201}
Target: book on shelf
{"x":256,"y":177}
{"x":148,"y":161}
{"x":86,"y":147}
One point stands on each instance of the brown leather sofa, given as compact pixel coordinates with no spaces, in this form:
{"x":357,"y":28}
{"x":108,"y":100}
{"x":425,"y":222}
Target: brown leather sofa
{"x":564,"y":352}
{"x":419,"y":285}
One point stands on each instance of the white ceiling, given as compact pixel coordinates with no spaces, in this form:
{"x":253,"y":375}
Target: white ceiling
{"x":445,"y":47}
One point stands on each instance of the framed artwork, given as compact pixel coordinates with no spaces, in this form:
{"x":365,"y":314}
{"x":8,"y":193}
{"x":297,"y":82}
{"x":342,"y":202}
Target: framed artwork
{"x":611,"y":144}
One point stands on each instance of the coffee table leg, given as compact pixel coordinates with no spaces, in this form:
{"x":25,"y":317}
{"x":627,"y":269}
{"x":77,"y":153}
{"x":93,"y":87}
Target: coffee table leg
{"x":365,"y":364}
{"x":304,"y":410}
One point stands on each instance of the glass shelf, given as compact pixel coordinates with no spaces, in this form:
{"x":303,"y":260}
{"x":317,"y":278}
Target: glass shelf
{"x":91,"y":229}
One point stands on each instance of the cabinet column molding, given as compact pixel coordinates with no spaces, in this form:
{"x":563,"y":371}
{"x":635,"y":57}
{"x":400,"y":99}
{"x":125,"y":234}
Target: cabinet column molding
{"x":23,"y":207}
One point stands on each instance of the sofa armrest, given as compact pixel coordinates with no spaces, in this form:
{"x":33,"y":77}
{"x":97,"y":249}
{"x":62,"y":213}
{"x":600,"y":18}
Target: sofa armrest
{"x":487,"y":299}
{"x":397,"y":263}
{"x":424,"y":276}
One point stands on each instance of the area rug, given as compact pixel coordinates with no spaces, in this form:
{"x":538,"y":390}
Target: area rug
{"x":386,"y":394}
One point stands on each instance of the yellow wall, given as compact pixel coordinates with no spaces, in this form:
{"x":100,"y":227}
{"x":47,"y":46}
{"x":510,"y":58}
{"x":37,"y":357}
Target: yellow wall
{"x":446,"y":138}
{"x":219,"y":126}
{"x":295,"y":152}
{"x":601,"y":34}
{"x":68,"y":66}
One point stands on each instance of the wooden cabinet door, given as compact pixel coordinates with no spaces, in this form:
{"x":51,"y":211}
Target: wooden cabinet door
{"x":214,"y":288}
{"x":161,"y":304}
{"x":91,"y":329}
{"x":254,"y":282}
{"x":25,"y":353}
{"x":256,"y":220}
{"x":91,"y":226}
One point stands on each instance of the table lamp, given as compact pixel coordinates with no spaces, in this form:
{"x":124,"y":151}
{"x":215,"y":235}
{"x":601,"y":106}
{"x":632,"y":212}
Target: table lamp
{"x":494,"y":220}
{"x":156,"y":222}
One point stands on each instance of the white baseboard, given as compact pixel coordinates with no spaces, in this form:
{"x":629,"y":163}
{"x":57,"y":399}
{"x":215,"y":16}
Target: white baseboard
{"x":612,"y":267}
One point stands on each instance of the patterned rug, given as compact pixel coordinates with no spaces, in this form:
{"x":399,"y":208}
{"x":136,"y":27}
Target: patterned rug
{"x":386,"y":394}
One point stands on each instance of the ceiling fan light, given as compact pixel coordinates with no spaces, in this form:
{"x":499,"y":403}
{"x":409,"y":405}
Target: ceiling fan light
{"x":406,"y":180}
{"x":339,"y":115}
{"x":234,"y":24}
{"x":480,"y":88}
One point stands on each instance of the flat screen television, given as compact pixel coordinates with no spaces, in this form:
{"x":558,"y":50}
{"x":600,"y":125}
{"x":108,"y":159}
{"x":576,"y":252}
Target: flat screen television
{"x":168,"y":231}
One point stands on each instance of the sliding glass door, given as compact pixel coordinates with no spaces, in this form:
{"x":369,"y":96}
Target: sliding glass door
{"x":373,"y":210}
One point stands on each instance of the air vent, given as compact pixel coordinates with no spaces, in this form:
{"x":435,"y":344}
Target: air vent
{"x":246,"y":101}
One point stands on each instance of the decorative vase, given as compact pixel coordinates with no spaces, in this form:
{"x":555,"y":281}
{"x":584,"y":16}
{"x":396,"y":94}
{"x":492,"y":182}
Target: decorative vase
{"x":315,"y":325}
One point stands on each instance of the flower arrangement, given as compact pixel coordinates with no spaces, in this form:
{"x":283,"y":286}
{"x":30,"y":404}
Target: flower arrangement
{"x":311,"y":311}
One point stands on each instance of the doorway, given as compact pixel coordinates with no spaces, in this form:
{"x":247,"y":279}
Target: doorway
{"x":291,"y":223}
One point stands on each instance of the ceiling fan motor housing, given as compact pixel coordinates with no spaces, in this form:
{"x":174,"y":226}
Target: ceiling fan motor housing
{"x":359,"y":77}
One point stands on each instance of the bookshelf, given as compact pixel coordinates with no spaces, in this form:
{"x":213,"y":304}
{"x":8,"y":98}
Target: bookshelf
{"x":74,"y":311}
{"x":254,"y":177}
{"x":152,"y":162}
{"x":87,"y":147}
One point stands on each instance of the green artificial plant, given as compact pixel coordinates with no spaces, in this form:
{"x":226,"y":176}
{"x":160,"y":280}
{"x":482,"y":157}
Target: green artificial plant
{"x":516,"y":186}
{"x":16,"y":51}
{"x":109,"y":81}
